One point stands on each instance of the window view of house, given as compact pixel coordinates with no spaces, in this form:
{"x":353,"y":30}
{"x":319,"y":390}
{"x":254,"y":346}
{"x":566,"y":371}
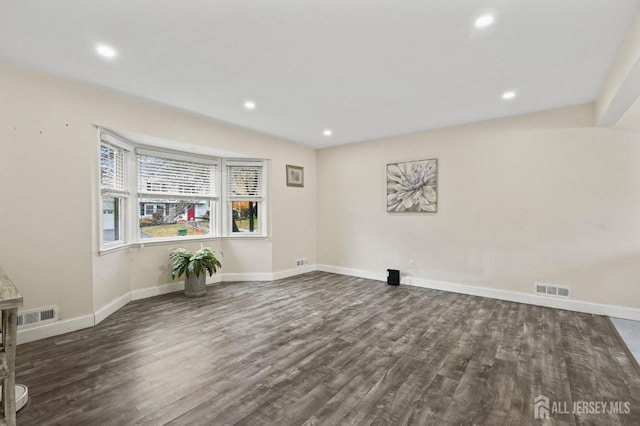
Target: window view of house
{"x":176,"y":196}
{"x":110,"y":219}
{"x":162,"y":218}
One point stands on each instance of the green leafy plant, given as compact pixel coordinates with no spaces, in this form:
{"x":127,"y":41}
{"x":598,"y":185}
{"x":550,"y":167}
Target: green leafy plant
{"x":188,"y":263}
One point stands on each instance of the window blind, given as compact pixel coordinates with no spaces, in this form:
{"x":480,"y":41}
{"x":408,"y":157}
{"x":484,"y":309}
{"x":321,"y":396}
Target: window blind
{"x":244,"y":182}
{"x":176,"y":177}
{"x":112,"y":170}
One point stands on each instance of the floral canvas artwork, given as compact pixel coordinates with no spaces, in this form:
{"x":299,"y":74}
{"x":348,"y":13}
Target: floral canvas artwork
{"x":412,"y":186}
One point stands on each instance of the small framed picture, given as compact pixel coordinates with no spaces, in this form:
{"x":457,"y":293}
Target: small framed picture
{"x":295,"y":176}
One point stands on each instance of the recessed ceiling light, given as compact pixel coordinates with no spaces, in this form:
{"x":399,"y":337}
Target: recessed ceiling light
{"x":484,"y":21}
{"x":508,"y":95}
{"x":250,"y":105}
{"x":106,"y":51}
{"x":327,"y":132}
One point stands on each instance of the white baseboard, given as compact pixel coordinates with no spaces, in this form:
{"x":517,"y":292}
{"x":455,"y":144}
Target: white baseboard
{"x":111,"y":307}
{"x":530,"y":299}
{"x":268,"y":276}
{"x":85,"y":321}
{"x":143,"y":293}
{"x":55,"y":328}
{"x":247,"y":276}
{"x":493,"y":293}
{"x":293,"y":272}
{"x":361,"y":273}
{"x":215,"y":279}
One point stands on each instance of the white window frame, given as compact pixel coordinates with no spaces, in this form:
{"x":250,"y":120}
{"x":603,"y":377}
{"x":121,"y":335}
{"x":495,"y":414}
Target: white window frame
{"x":212,"y":199}
{"x":220,"y":205}
{"x":110,"y":141}
{"x":227,"y":213}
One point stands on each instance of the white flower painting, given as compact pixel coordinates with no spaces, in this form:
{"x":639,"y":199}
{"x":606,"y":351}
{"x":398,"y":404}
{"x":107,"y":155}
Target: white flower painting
{"x":412,"y":186}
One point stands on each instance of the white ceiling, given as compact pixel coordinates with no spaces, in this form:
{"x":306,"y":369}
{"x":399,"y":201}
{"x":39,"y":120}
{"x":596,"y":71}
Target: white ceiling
{"x":364,"y":68}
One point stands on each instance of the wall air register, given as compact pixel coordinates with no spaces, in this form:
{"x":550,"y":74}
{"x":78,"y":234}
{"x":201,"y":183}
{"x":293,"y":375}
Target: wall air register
{"x":36,"y":317}
{"x":553,"y":290}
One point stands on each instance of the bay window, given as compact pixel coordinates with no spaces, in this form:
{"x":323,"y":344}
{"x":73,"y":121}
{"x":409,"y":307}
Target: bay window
{"x":149,"y":194}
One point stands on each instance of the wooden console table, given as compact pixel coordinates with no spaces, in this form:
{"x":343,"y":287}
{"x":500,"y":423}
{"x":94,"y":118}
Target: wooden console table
{"x":10,"y":301}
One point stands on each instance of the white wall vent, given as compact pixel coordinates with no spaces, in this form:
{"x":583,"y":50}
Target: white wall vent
{"x":33,"y":317}
{"x":551,"y":290}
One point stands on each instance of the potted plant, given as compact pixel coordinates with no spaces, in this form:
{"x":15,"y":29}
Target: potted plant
{"x":194,"y":266}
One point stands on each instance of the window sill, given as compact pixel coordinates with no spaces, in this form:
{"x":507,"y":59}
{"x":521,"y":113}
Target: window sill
{"x":112,"y":249}
{"x":175,"y":241}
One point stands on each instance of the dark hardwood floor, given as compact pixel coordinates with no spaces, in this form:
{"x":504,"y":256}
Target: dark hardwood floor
{"x":326,"y":349}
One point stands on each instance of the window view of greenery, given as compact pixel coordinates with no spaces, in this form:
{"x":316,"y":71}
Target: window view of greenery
{"x":245,"y":216}
{"x":163,"y":218}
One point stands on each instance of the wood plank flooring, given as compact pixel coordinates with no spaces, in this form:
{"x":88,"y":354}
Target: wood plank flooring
{"x":326,"y":349}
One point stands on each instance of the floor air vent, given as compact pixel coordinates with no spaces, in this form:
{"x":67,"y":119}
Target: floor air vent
{"x":550,"y":290}
{"x":39,"y":316}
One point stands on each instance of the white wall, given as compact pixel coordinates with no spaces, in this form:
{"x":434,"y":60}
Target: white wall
{"x":46,"y":190}
{"x":622,"y":85}
{"x":48,"y":171}
{"x":542,"y":197}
